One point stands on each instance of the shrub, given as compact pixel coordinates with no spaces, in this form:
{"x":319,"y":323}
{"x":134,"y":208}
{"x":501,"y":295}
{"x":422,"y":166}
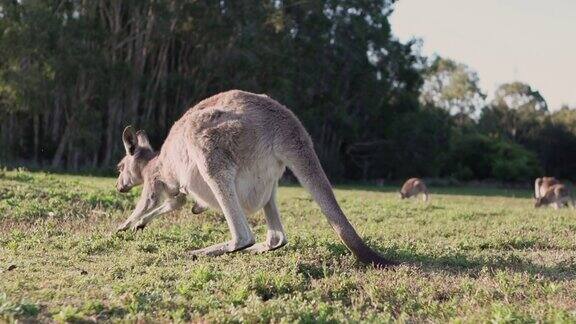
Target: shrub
{"x":476,"y":156}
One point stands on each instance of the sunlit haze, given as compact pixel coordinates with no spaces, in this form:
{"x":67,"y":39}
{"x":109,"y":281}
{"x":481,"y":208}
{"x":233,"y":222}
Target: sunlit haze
{"x":503,"y":40}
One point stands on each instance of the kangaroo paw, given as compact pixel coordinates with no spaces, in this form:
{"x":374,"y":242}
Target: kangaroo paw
{"x":198,"y":209}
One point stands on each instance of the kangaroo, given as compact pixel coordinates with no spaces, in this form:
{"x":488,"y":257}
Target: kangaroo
{"x":414,"y":186}
{"x":228,"y":153}
{"x":541,"y":185}
{"x":557,"y":195}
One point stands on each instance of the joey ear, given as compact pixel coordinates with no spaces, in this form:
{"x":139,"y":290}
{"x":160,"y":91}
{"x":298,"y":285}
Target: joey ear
{"x":143,"y":140}
{"x":130,"y":140}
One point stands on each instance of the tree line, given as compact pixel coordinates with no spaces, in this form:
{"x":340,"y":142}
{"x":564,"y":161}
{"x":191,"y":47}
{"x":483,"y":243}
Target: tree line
{"x":73,"y":73}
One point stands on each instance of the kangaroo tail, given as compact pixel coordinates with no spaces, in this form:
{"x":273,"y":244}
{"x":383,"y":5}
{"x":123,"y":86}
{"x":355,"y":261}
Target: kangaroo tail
{"x":296,"y":150}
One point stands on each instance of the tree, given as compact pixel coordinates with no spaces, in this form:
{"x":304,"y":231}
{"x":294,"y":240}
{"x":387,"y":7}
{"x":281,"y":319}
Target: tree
{"x":452,"y":86}
{"x":418,"y":144}
{"x":476,"y":156}
{"x":73,"y":73}
{"x":517,"y":113}
{"x":566,"y":116}
{"x":519,"y":96}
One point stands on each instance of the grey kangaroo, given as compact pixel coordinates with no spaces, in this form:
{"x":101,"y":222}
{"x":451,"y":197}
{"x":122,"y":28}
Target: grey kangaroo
{"x":557,"y":196}
{"x":541,"y":186}
{"x":413,"y":187}
{"x":228,"y":153}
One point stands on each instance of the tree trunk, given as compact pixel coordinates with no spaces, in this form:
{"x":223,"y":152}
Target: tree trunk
{"x":113,"y":107}
{"x":36,"y":130}
{"x":57,"y":159}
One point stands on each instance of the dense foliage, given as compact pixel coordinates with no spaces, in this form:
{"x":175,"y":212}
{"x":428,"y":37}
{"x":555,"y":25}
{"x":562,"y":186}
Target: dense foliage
{"x":73,"y":73}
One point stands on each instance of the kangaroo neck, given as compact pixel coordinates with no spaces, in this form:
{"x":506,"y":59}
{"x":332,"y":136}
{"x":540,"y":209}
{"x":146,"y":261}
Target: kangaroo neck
{"x":152,"y":168}
{"x":159,"y":169}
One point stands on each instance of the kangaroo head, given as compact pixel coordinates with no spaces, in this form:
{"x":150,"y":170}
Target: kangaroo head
{"x":401,"y":195}
{"x":138,"y":154}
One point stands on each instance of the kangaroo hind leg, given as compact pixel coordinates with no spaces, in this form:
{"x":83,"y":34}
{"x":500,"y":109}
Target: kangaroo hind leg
{"x":275,"y":237}
{"x":222,"y":185}
{"x":425,"y":196}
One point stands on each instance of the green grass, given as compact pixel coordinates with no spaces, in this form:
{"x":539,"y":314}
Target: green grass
{"x":470,"y":255}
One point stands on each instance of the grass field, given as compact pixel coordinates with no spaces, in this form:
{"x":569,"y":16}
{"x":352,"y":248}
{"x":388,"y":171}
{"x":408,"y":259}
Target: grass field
{"x":470,"y":255}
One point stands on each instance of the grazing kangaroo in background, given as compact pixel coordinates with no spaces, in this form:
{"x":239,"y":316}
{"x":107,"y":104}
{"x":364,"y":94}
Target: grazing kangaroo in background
{"x":228,"y":153}
{"x":414,"y":186}
{"x":557,"y":195}
{"x":541,"y":185}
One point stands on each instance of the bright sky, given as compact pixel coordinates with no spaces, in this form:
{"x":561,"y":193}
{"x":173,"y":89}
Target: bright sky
{"x":503,"y":40}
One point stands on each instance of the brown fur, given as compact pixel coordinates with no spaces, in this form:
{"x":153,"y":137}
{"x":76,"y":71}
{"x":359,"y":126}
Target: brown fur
{"x":413,"y":187}
{"x":541,"y":185}
{"x":556,"y":195}
{"x":228,"y":152}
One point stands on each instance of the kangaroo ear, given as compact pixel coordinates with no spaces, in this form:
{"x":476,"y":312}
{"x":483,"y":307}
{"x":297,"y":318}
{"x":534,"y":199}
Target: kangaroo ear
{"x":143,"y":140}
{"x":130,"y":140}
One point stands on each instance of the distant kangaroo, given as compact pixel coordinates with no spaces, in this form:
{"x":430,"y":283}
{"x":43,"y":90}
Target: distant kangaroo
{"x":557,"y":195}
{"x":413,"y":187}
{"x":541,"y":185}
{"x":228,"y":153}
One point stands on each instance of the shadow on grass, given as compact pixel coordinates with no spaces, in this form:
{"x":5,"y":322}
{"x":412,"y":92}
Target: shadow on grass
{"x":460,"y":263}
{"x":455,"y":263}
